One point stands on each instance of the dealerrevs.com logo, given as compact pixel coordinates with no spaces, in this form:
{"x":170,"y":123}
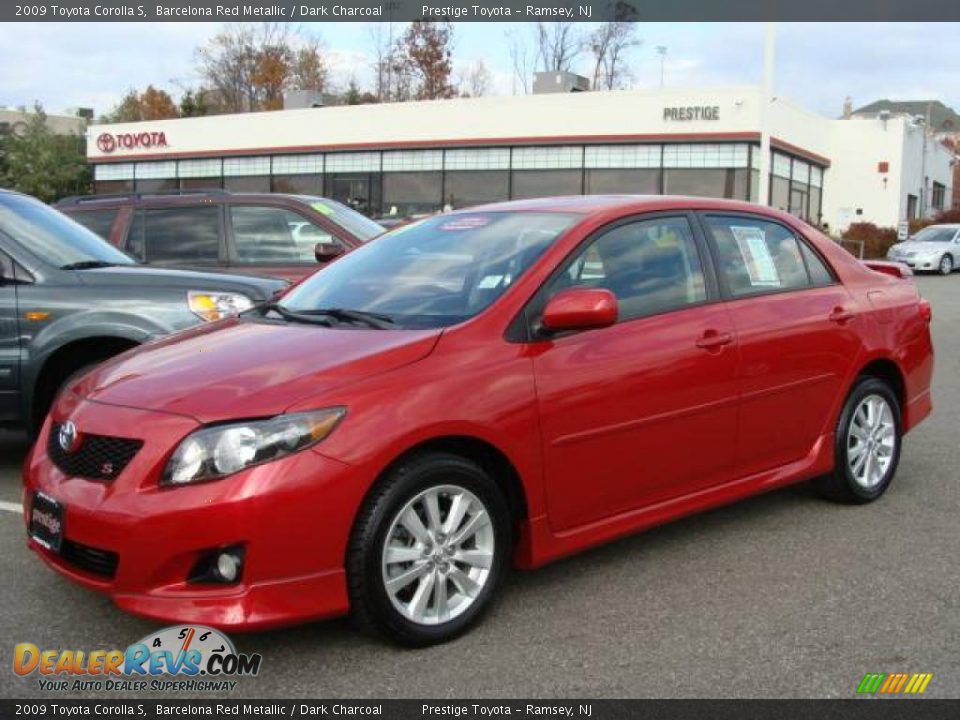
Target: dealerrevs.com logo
{"x":108,"y":142}
{"x":197,"y":658}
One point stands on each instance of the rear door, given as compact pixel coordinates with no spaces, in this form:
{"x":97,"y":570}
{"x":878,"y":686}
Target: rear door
{"x":644,"y":410}
{"x":9,"y":341}
{"x":797,"y":329}
{"x":185,"y":236}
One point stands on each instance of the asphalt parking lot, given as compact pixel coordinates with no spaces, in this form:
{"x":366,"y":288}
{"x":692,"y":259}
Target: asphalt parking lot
{"x":783,"y":595}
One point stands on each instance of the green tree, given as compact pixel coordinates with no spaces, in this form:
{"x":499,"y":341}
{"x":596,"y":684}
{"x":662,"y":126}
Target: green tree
{"x":194,"y":103}
{"x":40,"y":163}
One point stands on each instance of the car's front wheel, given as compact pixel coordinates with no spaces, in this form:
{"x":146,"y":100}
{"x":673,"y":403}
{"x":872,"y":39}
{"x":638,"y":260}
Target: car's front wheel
{"x":867,"y":444}
{"x":428,"y":550}
{"x":946,"y":265}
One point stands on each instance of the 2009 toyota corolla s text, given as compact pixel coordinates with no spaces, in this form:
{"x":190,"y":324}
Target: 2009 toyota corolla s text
{"x":504,"y":385}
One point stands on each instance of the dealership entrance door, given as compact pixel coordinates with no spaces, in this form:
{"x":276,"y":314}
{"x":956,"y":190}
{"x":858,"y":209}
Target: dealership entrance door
{"x":361,"y":191}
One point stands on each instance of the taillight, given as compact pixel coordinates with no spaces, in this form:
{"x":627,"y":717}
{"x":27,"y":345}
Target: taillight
{"x":926,"y":310}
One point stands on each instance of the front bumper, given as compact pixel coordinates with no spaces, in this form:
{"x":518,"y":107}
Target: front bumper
{"x":917,"y":263}
{"x":292,"y":517}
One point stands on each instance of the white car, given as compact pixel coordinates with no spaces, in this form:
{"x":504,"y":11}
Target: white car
{"x":935,"y":248}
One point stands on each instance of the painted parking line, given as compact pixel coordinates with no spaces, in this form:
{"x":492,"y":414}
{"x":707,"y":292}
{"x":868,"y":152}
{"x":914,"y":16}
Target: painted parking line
{"x":11,"y":507}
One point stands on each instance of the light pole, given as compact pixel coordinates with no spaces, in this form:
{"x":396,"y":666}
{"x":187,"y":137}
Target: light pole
{"x":662,"y":52}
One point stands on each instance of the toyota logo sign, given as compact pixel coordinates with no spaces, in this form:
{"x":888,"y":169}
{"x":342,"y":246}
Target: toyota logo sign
{"x":68,"y":437}
{"x":108,"y":142}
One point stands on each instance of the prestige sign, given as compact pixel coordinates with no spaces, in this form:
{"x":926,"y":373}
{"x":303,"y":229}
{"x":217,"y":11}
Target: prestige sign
{"x":109,"y":142}
{"x":692,"y":112}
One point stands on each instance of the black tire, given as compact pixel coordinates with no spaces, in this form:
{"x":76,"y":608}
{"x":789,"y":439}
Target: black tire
{"x":45,"y":403}
{"x":841,"y":485}
{"x":946,"y":265}
{"x":371,"y":604}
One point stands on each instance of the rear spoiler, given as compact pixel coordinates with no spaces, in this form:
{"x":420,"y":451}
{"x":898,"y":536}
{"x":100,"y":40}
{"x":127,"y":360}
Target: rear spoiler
{"x":897,"y":270}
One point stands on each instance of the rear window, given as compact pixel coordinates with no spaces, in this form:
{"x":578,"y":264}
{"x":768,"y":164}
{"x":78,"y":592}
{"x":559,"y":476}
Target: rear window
{"x":181,"y":235}
{"x":98,"y":221}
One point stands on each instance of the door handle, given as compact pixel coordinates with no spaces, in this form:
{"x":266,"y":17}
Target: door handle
{"x":711,"y":340}
{"x":839,"y":315}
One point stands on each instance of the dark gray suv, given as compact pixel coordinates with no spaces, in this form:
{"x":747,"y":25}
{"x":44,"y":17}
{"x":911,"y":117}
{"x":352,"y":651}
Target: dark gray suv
{"x":69,"y":300}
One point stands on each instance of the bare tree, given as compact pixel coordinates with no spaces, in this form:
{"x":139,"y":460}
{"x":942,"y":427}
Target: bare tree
{"x":474,"y":80}
{"x":522,"y":60}
{"x":558,"y":45}
{"x":609,"y":44}
{"x":248,"y":67}
{"x":382,"y":37}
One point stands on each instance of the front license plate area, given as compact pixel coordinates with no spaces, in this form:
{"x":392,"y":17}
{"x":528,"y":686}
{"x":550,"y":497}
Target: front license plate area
{"x":46,"y":521}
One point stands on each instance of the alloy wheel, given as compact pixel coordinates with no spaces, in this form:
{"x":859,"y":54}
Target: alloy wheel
{"x":871,"y":441}
{"x":946,"y":265}
{"x":437,"y":554}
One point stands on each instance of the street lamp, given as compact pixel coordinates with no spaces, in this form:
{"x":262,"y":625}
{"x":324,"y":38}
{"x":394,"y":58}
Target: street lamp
{"x":662,"y":52}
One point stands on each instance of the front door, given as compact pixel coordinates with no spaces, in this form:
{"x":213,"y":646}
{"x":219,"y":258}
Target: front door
{"x":9,"y":342}
{"x":646,"y":409}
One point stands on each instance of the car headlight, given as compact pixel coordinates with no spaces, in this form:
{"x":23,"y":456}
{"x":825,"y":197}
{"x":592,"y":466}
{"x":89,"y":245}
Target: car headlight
{"x":212,"y":306}
{"x":219,"y":451}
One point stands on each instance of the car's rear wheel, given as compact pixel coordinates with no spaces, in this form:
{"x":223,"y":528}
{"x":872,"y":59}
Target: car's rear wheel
{"x":867,"y":445}
{"x":946,"y":265}
{"x":429,"y":549}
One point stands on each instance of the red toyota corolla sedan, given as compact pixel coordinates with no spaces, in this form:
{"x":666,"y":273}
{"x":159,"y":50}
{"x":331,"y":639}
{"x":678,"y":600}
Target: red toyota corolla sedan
{"x":503,"y":385}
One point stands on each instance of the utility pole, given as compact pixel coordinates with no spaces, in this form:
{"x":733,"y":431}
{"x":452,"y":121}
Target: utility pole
{"x":923,"y":167}
{"x":662,"y":52}
{"x":766,"y":98}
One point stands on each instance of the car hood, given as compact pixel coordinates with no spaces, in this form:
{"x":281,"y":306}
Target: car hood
{"x":138,"y":275}
{"x":249,"y":368}
{"x":920,"y":247}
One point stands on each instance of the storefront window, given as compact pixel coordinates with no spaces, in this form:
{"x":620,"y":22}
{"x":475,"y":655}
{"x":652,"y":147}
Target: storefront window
{"x":412,"y":193}
{"x":544,"y":183}
{"x":779,"y":193}
{"x":104,"y":187}
{"x":464,"y":188}
{"x":632,"y":182}
{"x":815,"y":205}
{"x":298,"y":184}
{"x":360,"y":191}
{"x":156,"y":185}
{"x":201,"y":183}
{"x":251,"y":184}
{"x":699,"y":182}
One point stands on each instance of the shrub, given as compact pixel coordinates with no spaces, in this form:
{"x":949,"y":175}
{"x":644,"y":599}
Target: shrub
{"x":876,"y":240}
{"x":949,"y":216}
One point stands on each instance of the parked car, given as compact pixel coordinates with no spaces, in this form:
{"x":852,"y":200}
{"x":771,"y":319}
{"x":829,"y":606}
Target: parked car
{"x":68,"y":300}
{"x":284,"y":236}
{"x":507,"y":384}
{"x":936,"y":248}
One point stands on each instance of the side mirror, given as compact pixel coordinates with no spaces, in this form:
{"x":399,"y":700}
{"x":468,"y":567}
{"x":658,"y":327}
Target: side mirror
{"x":580,"y":309}
{"x":327,"y":251}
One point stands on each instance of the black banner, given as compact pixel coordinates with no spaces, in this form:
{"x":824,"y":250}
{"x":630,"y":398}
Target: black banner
{"x":470,"y":709}
{"x":541,"y":10}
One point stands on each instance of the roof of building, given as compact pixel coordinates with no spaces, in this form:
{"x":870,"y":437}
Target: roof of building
{"x":942,"y":117}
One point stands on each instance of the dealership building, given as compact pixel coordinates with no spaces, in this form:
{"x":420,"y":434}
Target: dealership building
{"x":419,"y":157}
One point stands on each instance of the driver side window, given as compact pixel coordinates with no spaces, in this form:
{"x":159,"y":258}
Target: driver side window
{"x":651,"y":266}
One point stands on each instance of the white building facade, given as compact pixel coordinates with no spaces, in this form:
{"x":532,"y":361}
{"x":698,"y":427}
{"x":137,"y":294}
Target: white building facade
{"x":411,"y":158}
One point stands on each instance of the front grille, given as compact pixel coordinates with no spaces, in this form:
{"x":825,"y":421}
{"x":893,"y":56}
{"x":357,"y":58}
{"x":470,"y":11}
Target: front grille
{"x":98,"y":457}
{"x":93,"y":560}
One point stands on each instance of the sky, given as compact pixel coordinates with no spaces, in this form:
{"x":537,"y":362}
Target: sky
{"x":69,"y":65}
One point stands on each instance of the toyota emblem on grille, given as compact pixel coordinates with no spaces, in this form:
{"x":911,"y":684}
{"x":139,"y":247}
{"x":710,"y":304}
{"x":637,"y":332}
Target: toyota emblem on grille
{"x":69,"y":437}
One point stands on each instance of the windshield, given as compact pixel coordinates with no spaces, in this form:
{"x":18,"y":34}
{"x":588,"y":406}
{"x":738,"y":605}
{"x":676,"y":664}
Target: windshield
{"x":52,"y":236}
{"x":935,"y":234}
{"x":360,"y":226}
{"x":433,"y":273}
